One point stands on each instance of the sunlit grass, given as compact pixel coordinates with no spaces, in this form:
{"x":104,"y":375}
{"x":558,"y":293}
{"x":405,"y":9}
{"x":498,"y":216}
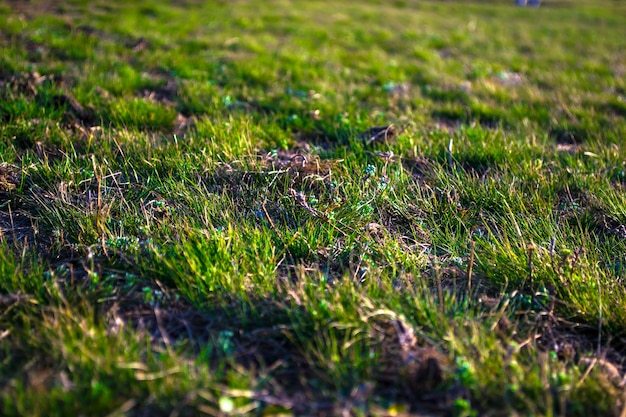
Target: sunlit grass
{"x":311,"y":208}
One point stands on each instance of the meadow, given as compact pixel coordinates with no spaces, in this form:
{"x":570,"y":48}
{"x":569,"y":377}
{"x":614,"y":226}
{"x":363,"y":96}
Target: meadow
{"x":246,"y":207}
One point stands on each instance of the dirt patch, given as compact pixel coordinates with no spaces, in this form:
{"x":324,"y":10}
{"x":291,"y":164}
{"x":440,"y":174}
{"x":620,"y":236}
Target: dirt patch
{"x":30,"y":8}
{"x":508,"y":78}
{"x":74,"y":111}
{"x":410,"y":368}
{"x":36,"y":86}
{"x":580,"y":206}
{"x":295,"y":167}
{"x":166,"y":93}
{"x":447,"y":125}
{"x":378,"y":134}
{"x":134,"y":44}
{"x":571,"y":201}
{"x":182,"y":124}
{"x":170,"y":320}
{"x":329,"y":137}
{"x":138,"y":44}
{"x":35,"y":51}
{"x":325,"y":137}
{"x":90,"y":31}
{"x":418,"y":166}
{"x":616,"y":107}
{"x":567,"y":136}
{"x":452,"y":119}
{"x":582,"y":345}
{"x":9,"y":178}
{"x":26,"y":83}
{"x":572,"y":341}
{"x":17,"y":228}
{"x":299,"y":159}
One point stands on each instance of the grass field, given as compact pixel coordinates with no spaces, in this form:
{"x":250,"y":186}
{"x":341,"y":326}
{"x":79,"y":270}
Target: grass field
{"x":282,"y":207}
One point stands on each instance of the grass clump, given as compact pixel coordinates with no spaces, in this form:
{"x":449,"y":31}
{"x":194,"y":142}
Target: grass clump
{"x":368,"y":209}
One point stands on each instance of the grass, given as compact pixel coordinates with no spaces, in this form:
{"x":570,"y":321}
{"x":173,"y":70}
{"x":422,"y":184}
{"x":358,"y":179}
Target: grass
{"x":306,"y":208}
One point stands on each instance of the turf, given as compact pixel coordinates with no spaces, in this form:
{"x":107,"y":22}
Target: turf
{"x":312,"y":208}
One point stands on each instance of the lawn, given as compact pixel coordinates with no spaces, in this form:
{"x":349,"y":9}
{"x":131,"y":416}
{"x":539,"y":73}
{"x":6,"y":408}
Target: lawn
{"x":278,"y":207}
